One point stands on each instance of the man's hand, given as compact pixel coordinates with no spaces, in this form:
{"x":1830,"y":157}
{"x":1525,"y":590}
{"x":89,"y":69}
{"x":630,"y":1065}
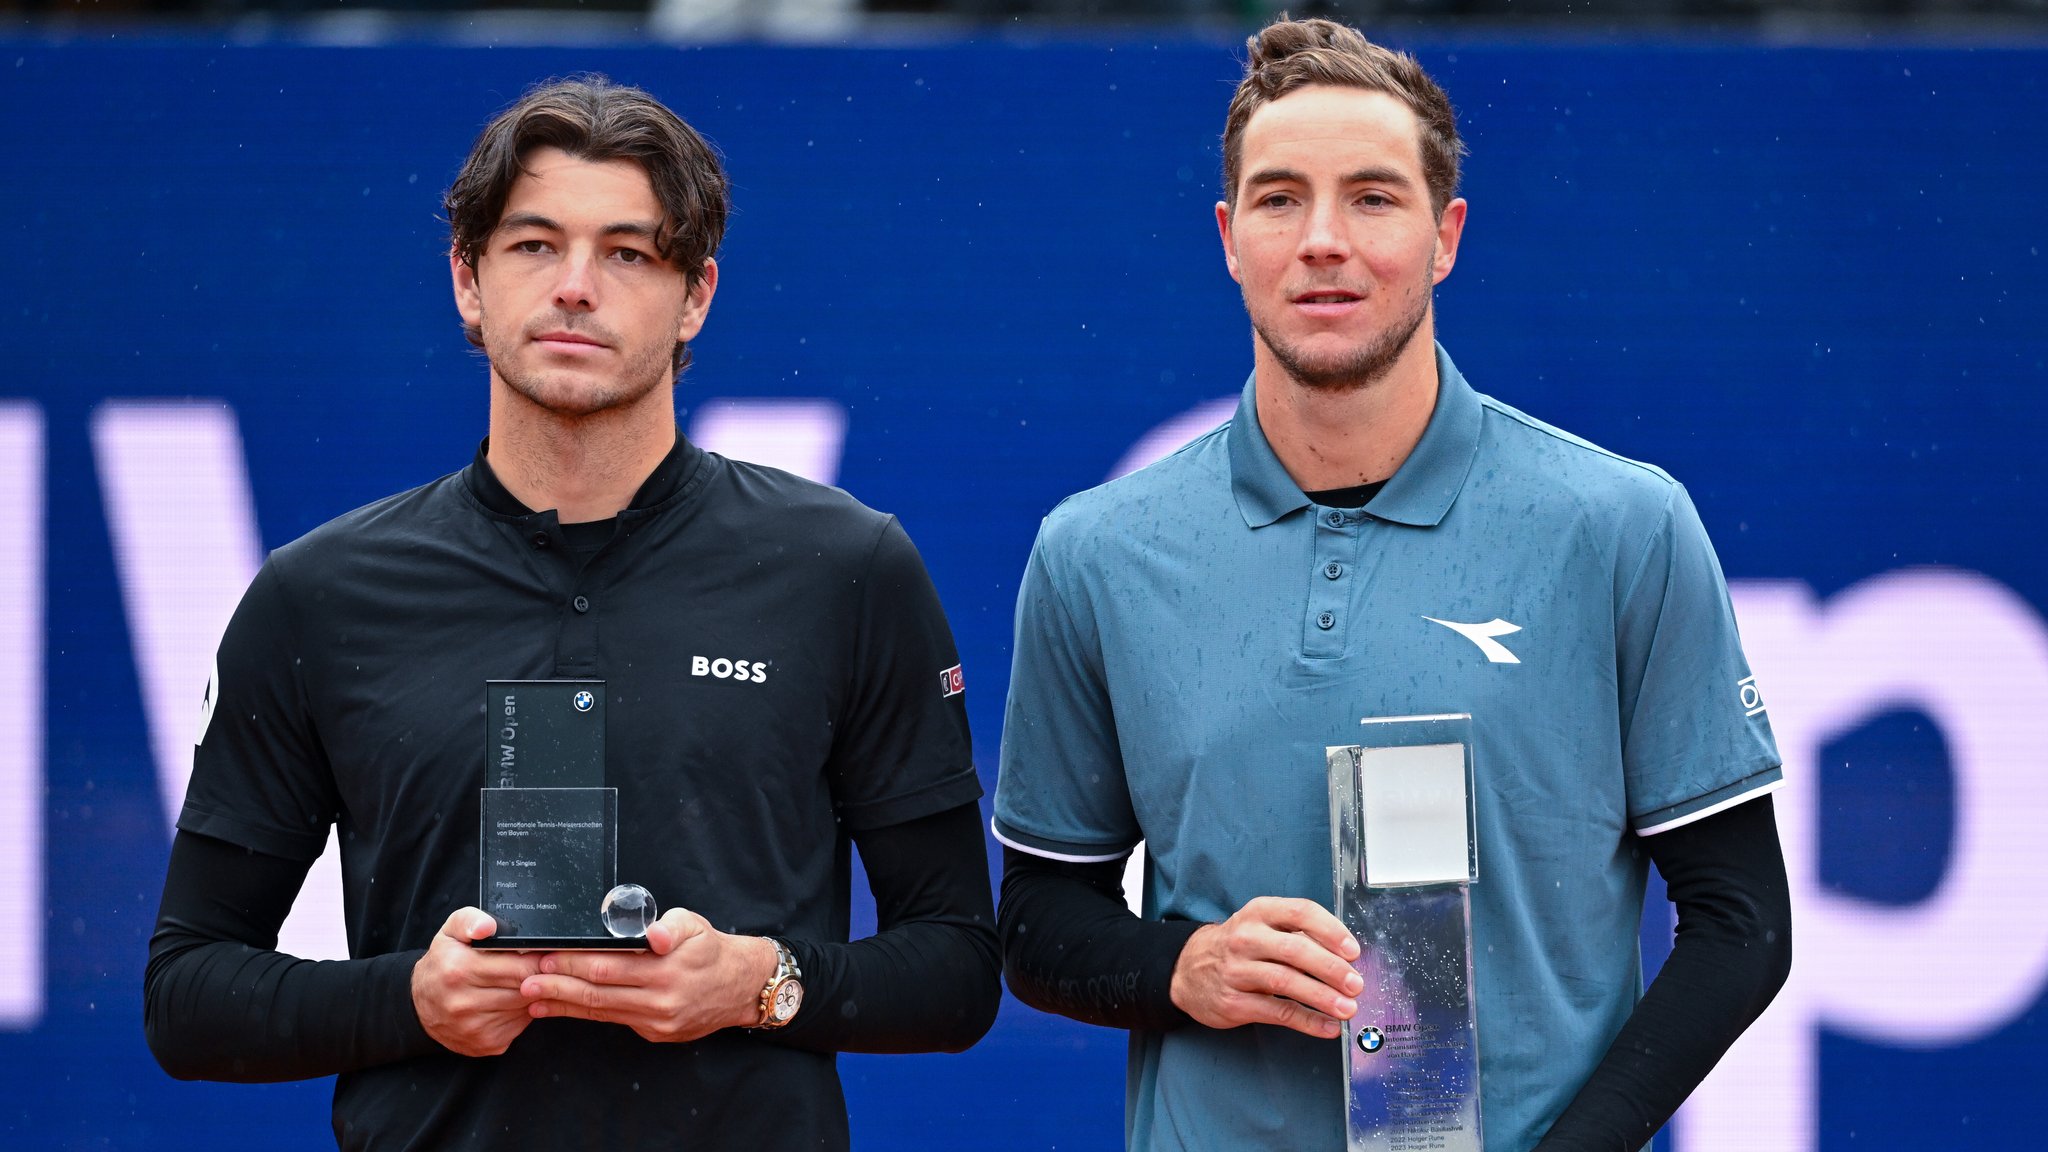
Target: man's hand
{"x":1276,"y":961}
{"x":693,"y":981}
{"x":468,"y":1000}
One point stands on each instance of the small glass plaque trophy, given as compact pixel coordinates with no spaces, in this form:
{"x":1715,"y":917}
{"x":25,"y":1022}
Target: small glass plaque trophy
{"x":548,"y":846}
{"x":1401,"y":837}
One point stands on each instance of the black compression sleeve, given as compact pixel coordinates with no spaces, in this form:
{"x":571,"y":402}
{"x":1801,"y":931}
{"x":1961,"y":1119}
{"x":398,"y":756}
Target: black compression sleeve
{"x":1733,"y":950}
{"x":1072,"y":947}
{"x":927,"y":979}
{"x":220,"y":1003}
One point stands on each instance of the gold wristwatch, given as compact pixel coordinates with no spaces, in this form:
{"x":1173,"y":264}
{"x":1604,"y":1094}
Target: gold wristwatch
{"x":784,"y":992}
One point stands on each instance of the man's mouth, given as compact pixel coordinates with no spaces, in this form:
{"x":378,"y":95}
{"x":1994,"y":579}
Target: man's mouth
{"x":1331,"y":297}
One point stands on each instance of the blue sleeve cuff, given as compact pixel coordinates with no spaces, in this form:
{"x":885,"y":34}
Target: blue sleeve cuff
{"x":1068,"y":851}
{"x":1700,"y":807}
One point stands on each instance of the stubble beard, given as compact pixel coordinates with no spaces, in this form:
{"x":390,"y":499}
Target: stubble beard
{"x":1359,"y":368}
{"x":557,"y":391}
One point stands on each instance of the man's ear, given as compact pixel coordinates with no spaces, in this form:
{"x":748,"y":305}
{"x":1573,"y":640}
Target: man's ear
{"x":1223,"y":233}
{"x":469,"y":300}
{"x":698,"y":306}
{"x":1450,"y":228}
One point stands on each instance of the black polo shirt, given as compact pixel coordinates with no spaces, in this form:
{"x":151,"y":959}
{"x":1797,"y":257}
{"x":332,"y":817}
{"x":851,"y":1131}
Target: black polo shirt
{"x":350,"y":692}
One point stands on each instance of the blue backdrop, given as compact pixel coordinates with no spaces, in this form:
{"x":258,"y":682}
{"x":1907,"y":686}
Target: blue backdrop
{"x":1809,"y":282}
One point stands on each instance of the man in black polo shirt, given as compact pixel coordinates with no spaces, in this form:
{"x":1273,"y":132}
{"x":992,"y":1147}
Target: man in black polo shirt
{"x":587,"y":540}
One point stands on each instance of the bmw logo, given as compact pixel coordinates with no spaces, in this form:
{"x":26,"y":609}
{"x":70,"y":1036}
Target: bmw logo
{"x":1371,"y":1039}
{"x":584,"y":701}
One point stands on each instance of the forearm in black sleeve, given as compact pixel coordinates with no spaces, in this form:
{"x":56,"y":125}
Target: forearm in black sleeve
{"x":1071,"y":946}
{"x":1733,"y":950}
{"x":927,"y":980}
{"x":220,"y":1003}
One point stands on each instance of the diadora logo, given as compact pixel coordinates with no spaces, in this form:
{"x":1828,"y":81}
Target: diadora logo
{"x":951,"y":683}
{"x":1483,"y":635}
{"x":754,"y":671}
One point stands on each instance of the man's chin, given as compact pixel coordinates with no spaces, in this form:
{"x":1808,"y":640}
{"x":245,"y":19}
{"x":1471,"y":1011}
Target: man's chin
{"x":1361,"y":368}
{"x":1333,"y":366}
{"x":578,"y":400}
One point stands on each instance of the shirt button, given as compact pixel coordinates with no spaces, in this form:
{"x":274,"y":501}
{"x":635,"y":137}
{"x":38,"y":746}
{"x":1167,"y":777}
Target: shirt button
{"x":1335,"y":519}
{"x":1333,"y":569}
{"x":540,"y":539}
{"x":1326,"y":621}
{"x":582,"y":605}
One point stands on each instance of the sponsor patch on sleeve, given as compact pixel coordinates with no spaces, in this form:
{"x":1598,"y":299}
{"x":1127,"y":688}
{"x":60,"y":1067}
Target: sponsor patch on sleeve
{"x":950,"y":683}
{"x":206,"y":703}
{"x":1751,"y":696}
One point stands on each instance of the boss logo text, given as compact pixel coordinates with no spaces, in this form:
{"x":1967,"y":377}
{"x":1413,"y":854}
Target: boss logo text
{"x":755,"y":671}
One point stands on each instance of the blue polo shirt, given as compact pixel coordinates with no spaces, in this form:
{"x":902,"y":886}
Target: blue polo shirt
{"x":1192,"y":636}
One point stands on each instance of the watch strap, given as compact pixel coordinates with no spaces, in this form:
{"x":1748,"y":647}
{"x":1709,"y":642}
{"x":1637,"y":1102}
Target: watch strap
{"x":786,"y":972}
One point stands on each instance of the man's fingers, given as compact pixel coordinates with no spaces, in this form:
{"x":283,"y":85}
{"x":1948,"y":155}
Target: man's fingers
{"x":1306,"y":955}
{"x":484,"y":1000}
{"x":624,"y":969}
{"x":1308,"y":918}
{"x":1256,"y":942}
{"x":1288,"y":1014}
{"x":1280,"y":980}
{"x":596,"y":967}
{"x":568,"y":990}
{"x":467,"y":924}
{"x":676,"y":926}
{"x":567,"y":996}
{"x":1240,"y":1008}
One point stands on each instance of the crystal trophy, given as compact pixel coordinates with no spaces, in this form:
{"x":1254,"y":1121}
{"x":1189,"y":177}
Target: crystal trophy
{"x":548,"y":845}
{"x":1401,"y":839}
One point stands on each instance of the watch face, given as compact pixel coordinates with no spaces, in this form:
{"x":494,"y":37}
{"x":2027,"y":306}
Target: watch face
{"x":789,"y":996}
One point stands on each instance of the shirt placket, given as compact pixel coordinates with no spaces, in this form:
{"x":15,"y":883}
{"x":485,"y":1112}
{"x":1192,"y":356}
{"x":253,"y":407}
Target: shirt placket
{"x":578,"y":591}
{"x":1329,"y":586}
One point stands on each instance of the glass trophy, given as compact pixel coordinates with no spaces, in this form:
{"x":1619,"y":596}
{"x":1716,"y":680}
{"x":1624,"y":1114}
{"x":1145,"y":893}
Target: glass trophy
{"x":548,"y":845}
{"x":1401,"y":839}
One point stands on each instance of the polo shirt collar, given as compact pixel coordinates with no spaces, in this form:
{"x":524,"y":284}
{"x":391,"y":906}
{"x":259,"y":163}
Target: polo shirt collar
{"x":673,"y":477}
{"x":1419,"y":493}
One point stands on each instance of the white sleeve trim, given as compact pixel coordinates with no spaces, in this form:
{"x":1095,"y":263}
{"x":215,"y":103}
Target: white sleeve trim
{"x":1063,"y":857}
{"x":1710,"y":809}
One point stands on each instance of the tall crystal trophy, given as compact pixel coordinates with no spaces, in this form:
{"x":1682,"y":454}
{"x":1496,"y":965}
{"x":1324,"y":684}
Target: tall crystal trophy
{"x":1402,"y":840}
{"x":548,"y":845}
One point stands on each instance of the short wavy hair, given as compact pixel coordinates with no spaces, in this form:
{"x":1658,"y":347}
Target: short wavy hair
{"x":591,"y":118}
{"x":1288,"y":55}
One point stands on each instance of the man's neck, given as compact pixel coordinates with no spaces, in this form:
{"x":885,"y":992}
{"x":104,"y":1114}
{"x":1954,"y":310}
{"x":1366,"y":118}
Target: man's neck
{"x":1335,"y":438}
{"x":585,"y":468}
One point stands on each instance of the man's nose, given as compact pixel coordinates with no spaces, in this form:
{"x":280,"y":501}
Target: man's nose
{"x":576,"y":289}
{"x":1325,"y":239}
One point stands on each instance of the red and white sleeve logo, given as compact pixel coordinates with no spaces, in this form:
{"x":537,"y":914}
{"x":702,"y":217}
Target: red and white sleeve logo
{"x":950,"y":683}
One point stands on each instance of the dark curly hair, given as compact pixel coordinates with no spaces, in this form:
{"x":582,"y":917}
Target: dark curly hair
{"x":592,"y":118}
{"x":1292,"y":54}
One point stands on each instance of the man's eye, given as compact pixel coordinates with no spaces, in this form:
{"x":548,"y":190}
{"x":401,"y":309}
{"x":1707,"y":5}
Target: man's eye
{"x":1374,"y":200}
{"x":632,"y":256}
{"x":531,"y":247}
{"x":1277,"y":200}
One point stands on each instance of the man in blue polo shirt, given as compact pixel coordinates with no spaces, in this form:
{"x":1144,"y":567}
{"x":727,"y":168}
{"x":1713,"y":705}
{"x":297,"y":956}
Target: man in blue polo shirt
{"x":1369,"y":537}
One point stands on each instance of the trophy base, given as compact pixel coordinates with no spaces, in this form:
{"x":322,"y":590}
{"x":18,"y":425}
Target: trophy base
{"x":561,"y":944}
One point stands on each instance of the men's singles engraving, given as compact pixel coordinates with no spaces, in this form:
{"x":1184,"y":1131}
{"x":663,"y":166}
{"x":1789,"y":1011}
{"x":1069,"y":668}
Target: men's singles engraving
{"x":548,"y":859}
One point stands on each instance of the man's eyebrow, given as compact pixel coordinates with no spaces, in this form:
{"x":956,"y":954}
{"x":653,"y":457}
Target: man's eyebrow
{"x":1275,"y":176}
{"x":528,"y":220}
{"x":536,"y":220}
{"x":1375,"y":175}
{"x":1392,"y":176}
